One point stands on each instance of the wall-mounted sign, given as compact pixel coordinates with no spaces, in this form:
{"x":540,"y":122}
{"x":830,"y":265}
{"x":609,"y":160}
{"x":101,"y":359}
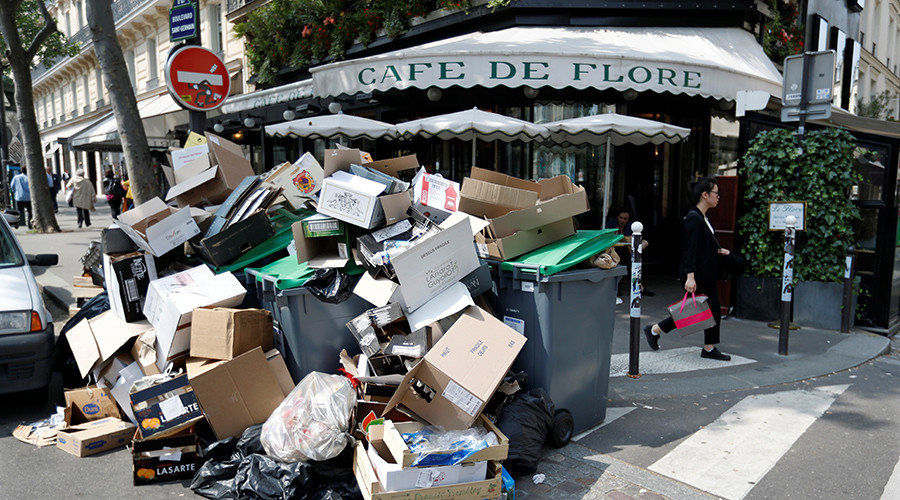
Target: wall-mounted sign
{"x":779,"y":210}
{"x":197,"y":78}
{"x":184,"y":21}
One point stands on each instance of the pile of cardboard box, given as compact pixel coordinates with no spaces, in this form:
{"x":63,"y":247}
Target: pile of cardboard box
{"x":177,"y":346}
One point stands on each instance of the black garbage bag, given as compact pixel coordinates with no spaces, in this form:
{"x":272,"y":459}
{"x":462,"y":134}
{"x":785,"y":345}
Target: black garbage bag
{"x":331,"y":285}
{"x":526,"y":420}
{"x":63,"y":359}
{"x":240,"y":469}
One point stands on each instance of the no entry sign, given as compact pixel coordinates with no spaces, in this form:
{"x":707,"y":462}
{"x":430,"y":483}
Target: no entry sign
{"x":197,"y":79}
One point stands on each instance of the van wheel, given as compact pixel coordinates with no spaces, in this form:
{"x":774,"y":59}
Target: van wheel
{"x":562,"y":430}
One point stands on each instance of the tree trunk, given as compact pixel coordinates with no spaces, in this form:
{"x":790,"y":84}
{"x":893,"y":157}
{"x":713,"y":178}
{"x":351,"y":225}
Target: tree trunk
{"x":20,"y":64}
{"x":122,"y":97}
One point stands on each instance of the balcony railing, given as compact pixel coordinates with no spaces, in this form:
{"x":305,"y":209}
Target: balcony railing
{"x":120,"y":10}
{"x":233,"y":5}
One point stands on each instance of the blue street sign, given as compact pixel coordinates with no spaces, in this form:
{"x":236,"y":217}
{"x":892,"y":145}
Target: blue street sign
{"x":183,"y":21}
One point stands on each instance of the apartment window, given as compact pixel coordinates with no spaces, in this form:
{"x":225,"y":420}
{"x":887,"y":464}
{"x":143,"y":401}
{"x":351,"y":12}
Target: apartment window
{"x":152,"y":68}
{"x":87,"y":93}
{"x":52,"y":108}
{"x":129,"y":62}
{"x":69,"y":32}
{"x":874,"y":46}
{"x":80,"y":12}
{"x":62,"y":105}
{"x":215,"y":28}
{"x":74,"y":87}
{"x":862,"y":38}
{"x":98,"y":75}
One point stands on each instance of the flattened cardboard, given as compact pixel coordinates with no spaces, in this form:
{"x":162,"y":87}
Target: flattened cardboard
{"x":97,"y":339}
{"x":300,"y":180}
{"x":435,"y":263}
{"x":280,"y":371}
{"x":165,"y":408}
{"x":341,"y":159}
{"x":158,"y":228}
{"x":93,"y":437}
{"x":485,"y":199}
{"x":450,"y":301}
{"x":181,"y":157}
{"x":395,"y":206}
{"x":524,"y":241}
{"x":240,"y":193}
{"x":377,"y":291}
{"x":461,"y":372}
{"x":224,"y":333}
{"x":144,"y":352}
{"x":238,"y":393}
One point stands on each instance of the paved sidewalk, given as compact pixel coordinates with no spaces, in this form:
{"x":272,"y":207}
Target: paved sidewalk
{"x":676,"y":369}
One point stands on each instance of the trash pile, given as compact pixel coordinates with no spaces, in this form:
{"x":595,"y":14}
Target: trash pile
{"x":320,"y":326}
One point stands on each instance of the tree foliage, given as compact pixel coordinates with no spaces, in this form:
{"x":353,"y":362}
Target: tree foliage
{"x":822,"y":175}
{"x":30,"y":22}
{"x":878,"y":107}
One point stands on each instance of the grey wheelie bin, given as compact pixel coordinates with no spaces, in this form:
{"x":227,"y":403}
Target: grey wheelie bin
{"x":309,"y":333}
{"x":568,"y":319}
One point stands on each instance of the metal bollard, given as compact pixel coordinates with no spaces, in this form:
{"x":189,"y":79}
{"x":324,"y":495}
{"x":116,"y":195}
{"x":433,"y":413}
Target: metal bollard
{"x":634,"y":344}
{"x":849,"y":274}
{"x":787,"y":284}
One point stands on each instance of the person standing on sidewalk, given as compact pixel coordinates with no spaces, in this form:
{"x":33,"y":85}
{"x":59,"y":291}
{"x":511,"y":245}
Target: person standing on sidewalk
{"x":22,"y":194}
{"x":83,"y":197}
{"x":698,"y":270}
{"x":112,"y":188}
{"x":53,"y":184}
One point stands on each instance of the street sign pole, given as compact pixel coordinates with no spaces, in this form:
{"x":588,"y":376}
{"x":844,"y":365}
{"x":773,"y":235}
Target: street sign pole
{"x":184,"y":26}
{"x":804,"y":96}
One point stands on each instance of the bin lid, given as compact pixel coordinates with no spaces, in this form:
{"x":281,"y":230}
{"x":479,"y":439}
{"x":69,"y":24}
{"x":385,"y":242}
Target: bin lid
{"x":281,"y":223}
{"x":565,"y":253}
{"x":286,"y":272}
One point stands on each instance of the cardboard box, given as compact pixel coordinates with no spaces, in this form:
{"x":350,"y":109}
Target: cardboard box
{"x":236,"y":239}
{"x":394,"y":166}
{"x":320,"y":226}
{"x":97,"y":339}
{"x":173,"y":323}
{"x":453,"y":382}
{"x":340,"y":160}
{"x":565,"y":200}
{"x":93,"y":437}
{"x":160,"y":288}
{"x":524,"y":241}
{"x":491,"y":194}
{"x":238,"y":393}
{"x":172,"y":458}
{"x":144,"y":352}
{"x":91,"y":403}
{"x":197,"y":366}
{"x":378,"y":248}
{"x":165,"y":408}
{"x":434,"y":196}
{"x":391,"y":434}
{"x":395,"y":206}
{"x":300,"y":180}
{"x":435,"y":263}
{"x":330,"y":251}
{"x":366,"y":326}
{"x":224,"y":333}
{"x":223,"y":213}
{"x":352,"y":199}
{"x":127,"y":278}
{"x":395,"y":477}
{"x":372,"y":489}
{"x":215,"y":178}
{"x":182,"y":157}
{"x":158,"y":228}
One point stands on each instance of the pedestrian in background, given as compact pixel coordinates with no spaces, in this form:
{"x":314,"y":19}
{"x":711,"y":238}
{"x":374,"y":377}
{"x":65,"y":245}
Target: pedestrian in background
{"x":22,"y":194}
{"x":83,"y":197}
{"x":698,"y":270}
{"x":112,"y":188}
{"x":54,"y":185}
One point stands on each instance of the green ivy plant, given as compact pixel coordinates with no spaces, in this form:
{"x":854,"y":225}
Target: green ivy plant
{"x":774,"y":169}
{"x":296,"y":33}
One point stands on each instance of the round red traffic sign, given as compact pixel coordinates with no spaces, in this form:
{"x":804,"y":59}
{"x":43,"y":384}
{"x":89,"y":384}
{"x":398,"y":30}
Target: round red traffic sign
{"x":197,"y":78}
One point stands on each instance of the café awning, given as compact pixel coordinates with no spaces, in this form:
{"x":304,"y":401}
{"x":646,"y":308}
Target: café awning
{"x":159,"y":115}
{"x":707,"y":62}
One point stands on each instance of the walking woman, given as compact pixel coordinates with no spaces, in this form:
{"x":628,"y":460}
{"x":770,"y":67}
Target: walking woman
{"x":698,"y":270}
{"x":83,"y":197}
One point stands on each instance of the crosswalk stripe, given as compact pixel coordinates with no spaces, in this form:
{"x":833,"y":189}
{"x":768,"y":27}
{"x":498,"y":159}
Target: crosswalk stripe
{"x":892,"y":488}
{"x":730,"y":455}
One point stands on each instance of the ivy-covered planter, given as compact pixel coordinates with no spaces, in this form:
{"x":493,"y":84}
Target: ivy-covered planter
{"x":819,"y":304}
{"x":757,"y":298}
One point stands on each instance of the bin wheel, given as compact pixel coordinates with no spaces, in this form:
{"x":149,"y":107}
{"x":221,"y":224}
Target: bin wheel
{"x":562,"y":430}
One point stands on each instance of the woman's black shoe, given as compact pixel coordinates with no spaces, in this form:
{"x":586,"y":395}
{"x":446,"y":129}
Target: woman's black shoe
{"x":653,"y":340}
{"x":714,"y":354}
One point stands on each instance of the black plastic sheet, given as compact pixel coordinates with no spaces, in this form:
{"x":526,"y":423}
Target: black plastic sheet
{"x":331,"y":285}
{"x":526,"y":420}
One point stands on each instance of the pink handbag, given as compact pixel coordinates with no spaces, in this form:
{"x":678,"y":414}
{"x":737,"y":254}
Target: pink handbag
{"x":693,"y":315}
